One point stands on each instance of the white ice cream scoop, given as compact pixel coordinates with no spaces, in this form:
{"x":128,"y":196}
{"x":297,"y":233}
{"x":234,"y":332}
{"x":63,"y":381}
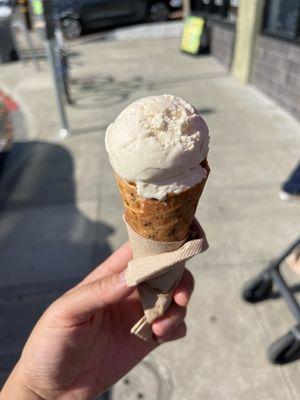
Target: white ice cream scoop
{"x":158,"y":143}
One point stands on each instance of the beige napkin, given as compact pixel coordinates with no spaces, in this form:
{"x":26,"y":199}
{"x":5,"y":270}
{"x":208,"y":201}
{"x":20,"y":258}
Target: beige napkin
{"x":157,"y":268}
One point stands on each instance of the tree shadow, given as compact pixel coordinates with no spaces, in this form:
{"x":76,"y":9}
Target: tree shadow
{"x":47,"y":245}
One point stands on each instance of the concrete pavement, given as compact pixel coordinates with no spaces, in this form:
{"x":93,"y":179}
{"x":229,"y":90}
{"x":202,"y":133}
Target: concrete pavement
{"x":61,"y":214}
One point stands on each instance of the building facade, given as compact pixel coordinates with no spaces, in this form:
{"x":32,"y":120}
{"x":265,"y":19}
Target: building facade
{"x":259,"y":42}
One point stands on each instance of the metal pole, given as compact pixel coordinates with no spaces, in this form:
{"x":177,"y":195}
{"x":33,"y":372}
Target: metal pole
{"x":24,"y":8}
{"x":58,"y":88}
{"x":54,"y":64}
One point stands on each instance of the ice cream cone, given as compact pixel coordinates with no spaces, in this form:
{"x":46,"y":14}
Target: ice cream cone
{"x":168,"y":220}
{"x":158,"y":148}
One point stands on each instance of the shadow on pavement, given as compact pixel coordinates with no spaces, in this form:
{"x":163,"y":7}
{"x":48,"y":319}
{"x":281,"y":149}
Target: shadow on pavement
{"x":46,"y":243}
{"x":276,"y":295}
{"x":105,"y":91}
{"x":292,"y":184}
{"x":105,"y":396}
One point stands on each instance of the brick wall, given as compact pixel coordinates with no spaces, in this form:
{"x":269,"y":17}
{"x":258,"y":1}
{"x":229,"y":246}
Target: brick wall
{"x":222,"y":42}
{"x":276,"y":71}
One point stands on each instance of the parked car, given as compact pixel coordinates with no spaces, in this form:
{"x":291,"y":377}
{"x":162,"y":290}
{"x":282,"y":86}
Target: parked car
{"x":9,"y":3}
{"x":77,"y":16}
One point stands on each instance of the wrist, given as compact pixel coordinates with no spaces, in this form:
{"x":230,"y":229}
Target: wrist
{"x":14,"y":389}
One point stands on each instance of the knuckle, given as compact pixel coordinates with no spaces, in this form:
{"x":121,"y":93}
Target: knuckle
{"x":184,"y":311}
{"x":182,"y":330}
{"x":97,"y":288}
{"x":187,"y":282}
{"x":180,"y":311}
{"x":179,"y":315}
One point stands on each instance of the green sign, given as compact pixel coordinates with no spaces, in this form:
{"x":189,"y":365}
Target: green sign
{"x":191,"y":35}
{"x":37,"y":6}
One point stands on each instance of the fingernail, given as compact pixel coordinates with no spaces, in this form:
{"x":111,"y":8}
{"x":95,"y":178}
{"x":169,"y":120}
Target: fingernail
{"x":165,"y":324}
{"x":165,"y":338}
{"x":184,"y":291}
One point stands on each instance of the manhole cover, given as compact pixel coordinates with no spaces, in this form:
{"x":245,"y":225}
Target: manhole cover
{"x":152,"y":379}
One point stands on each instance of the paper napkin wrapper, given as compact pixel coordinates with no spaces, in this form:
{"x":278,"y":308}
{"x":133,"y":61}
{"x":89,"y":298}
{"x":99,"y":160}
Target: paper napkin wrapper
{"x":157,"y":268}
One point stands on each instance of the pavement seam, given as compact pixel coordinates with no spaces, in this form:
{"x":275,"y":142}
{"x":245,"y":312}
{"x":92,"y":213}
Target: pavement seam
{"x":260,"y":318}
{"x":281,"y":369}
{"x":289,"y":383}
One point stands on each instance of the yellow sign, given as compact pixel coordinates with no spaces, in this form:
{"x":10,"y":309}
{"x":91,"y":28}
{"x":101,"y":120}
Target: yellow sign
{"x":37,"y":6}
{"x":191,"y":35}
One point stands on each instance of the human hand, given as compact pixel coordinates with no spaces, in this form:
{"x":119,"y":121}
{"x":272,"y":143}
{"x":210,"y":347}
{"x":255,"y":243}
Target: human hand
{"x":82,"y":343}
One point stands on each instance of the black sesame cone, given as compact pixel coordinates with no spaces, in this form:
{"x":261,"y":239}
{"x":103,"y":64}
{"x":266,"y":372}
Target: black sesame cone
{"x":167,"y":220}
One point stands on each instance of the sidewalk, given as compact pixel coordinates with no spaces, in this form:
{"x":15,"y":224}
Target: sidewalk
{"x":61,"y":214}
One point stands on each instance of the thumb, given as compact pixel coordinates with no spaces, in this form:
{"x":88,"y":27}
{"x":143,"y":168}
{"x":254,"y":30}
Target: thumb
{"x":84,"y":301}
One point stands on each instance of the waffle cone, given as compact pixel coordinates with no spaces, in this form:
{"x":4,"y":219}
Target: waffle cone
{"x":168,"y":220}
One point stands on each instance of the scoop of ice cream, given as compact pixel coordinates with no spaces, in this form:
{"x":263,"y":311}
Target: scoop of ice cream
{"x":158,"y":142}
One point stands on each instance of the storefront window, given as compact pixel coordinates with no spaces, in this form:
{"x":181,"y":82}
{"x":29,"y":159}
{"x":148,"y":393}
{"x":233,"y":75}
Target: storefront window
{"x":282,"y":18}
{"x":224,"y":9}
